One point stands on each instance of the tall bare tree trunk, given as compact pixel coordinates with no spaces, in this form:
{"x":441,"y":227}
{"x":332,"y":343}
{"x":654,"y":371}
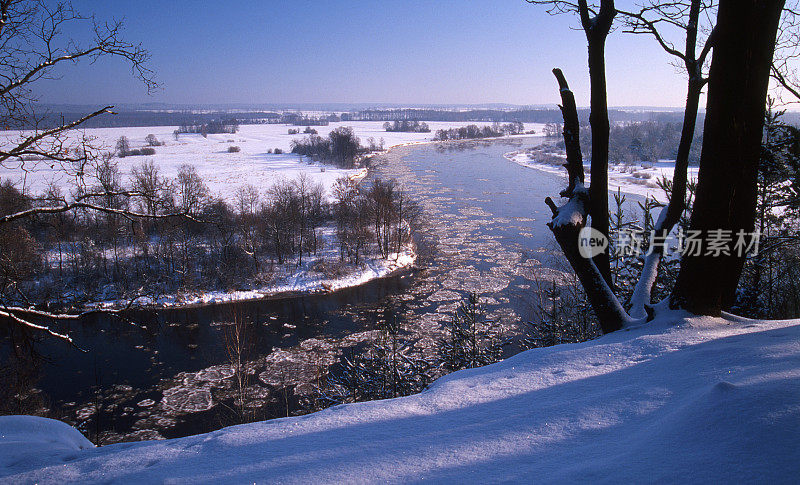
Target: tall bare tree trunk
{"x":597,"y":29}
{"x":727,"y":182}
{"x":570,"y":218}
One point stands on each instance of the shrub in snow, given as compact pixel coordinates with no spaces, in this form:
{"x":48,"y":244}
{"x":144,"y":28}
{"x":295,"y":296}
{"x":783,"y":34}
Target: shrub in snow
{"x":233,"y":149}
{"x":123,"y":146}
{"x":152,"y":141}
{"x":469,"y":342}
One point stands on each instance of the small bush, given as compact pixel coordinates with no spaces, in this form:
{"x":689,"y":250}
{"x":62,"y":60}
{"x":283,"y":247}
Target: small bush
{"x":123,"y":146}
{"x":233,"y":149}
{"x":148,"y":151}
{"x":278,"y":151}
{"x":152,"y":141}
{"x":293,"y":131}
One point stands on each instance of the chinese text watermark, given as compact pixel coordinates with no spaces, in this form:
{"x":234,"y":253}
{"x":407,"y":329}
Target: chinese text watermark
{"x":629,"y":242}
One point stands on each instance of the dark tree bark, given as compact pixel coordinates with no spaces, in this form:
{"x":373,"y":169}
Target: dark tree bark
{"x":727,"y":183}
{"x":597,"y":29}
{"x":572,"y":129}
{"x":570,"y":218}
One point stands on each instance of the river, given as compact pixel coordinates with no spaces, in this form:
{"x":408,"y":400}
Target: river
{"x":483,"y":231}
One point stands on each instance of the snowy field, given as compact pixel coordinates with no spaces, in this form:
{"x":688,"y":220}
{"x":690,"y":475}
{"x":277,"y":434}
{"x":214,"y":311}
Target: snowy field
{"x":680,"y":399}
{"x":223,"y":172}
{"x":632,"y":179}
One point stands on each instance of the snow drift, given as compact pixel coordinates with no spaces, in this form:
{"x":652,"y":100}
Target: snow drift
{"x":698,"y":399}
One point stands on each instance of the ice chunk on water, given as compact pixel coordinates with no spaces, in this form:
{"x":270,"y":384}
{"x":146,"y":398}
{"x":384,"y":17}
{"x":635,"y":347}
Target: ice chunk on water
{"x":182,"y":399}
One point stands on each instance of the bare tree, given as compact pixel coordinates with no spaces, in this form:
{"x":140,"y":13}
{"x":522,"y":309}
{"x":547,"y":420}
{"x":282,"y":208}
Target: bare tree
{"x":787,"y":55}
{"x":744,"y":40}
{"x":596,"y":23}
{"x":152,"y":188}
{"x":32,"y":46}
{"x":152,"y":141}
{"x":247,"y":203}
{"x":687,"y":18}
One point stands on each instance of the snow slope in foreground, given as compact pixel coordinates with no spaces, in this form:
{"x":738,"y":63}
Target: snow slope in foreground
{"x":679,"y":399}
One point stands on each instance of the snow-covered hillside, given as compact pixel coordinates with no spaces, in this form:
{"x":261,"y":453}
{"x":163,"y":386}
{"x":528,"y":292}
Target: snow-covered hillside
{"x":679,"y":399}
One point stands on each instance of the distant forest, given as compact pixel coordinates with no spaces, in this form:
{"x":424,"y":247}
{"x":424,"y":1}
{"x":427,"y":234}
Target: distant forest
{"x":186,"y":118}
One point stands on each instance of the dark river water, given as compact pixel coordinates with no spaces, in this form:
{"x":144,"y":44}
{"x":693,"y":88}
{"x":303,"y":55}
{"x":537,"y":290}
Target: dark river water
{"x":483,"y":231}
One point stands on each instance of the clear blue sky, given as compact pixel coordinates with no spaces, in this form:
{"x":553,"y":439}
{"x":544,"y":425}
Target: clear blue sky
{"x":435,"y":51}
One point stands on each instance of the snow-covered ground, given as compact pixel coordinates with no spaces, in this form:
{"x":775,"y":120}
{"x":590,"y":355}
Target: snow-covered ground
{"x":223,"y":172}
{"x":676,"y":400}
{"x":640,"y":179}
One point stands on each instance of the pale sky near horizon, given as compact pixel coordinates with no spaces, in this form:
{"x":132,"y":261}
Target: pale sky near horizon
{"x":408,"y":52}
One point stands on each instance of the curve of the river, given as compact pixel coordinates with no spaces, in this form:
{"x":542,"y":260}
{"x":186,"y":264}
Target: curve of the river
{"x":483,"y":230}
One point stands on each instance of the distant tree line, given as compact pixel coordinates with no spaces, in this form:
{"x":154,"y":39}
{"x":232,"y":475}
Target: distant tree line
{"x":212,"y":127}
{"x":310,"y":122}
{"x":648,"y":141}
{"x":412,"y":126}
{"x":525,"y":115}
{"x":474,"y":131}
{"x":532,"y":115}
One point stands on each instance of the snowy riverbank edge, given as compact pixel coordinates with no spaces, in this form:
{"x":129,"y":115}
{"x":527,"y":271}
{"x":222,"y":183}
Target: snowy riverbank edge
{"x":298,"y":284}
{"x":679,"y":399}
{"x":302,"y":283}
{"x":637,"y":180}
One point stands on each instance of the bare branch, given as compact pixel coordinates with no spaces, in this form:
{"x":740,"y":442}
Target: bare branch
{"x":83,"y":205}
{"x":569,"y":111}
{"x":41,"y":328}
{"x":21,"y":148}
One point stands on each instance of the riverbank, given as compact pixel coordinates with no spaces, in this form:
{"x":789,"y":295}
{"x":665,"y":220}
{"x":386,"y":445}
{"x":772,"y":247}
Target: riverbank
{"x":309,"y":278}
{"x":637,"y":179}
